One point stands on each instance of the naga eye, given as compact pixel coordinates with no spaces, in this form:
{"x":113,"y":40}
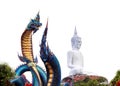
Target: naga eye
{"x":34,"y":24}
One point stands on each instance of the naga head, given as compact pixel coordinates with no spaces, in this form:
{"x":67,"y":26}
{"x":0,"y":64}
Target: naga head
{"x":34,"y":24}
{"x":44,"y":52}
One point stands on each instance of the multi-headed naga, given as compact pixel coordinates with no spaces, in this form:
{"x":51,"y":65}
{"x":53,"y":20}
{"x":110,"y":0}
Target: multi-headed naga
{"x":39,"y":76}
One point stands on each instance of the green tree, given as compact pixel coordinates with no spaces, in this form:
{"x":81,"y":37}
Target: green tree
{"x":6,"y":73}
{"x":115,"y":79}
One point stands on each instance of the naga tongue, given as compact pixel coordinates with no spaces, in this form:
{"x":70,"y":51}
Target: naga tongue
{"x":35,"y":31}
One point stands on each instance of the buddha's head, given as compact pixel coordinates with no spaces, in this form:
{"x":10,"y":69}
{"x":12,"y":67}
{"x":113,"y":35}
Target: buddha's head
{"x":76,"y":41}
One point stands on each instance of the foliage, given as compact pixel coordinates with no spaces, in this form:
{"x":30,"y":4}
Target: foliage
{"x":89,"y":83}
{"x":101,"y":81}
{"x":116,"y":79}
{"x":6,"y":73}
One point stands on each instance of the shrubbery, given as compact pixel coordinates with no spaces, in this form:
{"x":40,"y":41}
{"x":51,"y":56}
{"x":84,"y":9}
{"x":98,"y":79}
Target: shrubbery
{"x":116,"y":80}
{"x":6,"y":73}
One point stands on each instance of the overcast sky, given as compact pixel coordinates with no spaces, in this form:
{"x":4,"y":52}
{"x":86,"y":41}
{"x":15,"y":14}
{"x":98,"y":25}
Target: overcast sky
{"x":97,"y":23}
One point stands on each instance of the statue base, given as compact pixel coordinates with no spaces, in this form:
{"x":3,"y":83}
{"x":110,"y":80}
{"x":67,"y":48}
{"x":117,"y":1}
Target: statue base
{"x":84,"y":80}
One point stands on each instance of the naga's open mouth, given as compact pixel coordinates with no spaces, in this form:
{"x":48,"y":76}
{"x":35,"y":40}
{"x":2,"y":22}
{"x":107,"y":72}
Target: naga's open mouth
{"x":35,"y":30}
{"x":37,"y":27}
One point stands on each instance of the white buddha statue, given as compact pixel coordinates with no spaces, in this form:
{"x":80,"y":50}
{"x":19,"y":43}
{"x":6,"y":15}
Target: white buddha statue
{"x":74,"y":56}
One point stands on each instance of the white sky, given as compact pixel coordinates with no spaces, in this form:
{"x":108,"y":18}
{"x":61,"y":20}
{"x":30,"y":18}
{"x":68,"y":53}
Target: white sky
{"x":97,"y":23}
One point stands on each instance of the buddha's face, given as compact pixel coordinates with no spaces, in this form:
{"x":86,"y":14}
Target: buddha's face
{"x":77,"y":43}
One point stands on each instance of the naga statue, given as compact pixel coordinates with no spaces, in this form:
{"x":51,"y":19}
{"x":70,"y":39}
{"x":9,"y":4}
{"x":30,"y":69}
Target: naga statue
{"x":51,"y":62}
{"x":39,"y":76}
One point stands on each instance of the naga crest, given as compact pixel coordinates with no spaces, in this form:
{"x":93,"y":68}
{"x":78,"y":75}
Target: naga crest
{"x":34,"y":24}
